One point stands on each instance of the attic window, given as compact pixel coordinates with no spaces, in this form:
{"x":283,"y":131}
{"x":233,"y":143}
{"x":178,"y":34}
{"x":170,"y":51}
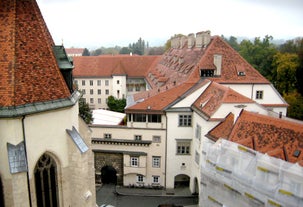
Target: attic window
{"x":207,"y":73}
{"x":297,"y":153}
{"x":241,"y":73}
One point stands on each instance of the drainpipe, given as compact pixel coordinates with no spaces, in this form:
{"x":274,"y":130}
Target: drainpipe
{"x":165,"y":152}
{"x":25,"y":150}
{"x":252,"y":92}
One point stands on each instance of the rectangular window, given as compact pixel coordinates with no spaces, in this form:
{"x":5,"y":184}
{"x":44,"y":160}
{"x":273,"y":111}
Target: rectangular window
{"x":183,"y":148}
{"x":99,"y":100}
{"x":156,"y":139}
{"x":138,"y":137}
{"x":140,"y":178}
{"x":156,"y":179}
{"x":83,"y":82}
{"x":84,"y":91}
{"x":106,"y":82}
{"x":118,"y":82}
{"x":76,"y":82}
{"x":107,"y":92}
{"x":137,"y":87}
{"x":91,"y":82}
{"x":185,"y":120}
{"x":139,"y":117}
{"x":259,"y":95}
{"x":154,"y":118}
{"x":99,"y":91}
{"x":107,"y":136}
{"x":99,"y":82}
{"x":91,"y":91}
{"x":207,"y":73}
{"x":156,"y":162}
{"x":134,"y":161}
{"x":91,"y":100}
{"x":198,"y":132}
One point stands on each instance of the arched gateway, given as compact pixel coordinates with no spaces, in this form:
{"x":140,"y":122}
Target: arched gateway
{"x":109,"y":167}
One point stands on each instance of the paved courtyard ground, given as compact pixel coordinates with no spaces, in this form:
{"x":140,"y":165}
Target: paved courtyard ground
{"x":130,"y":197}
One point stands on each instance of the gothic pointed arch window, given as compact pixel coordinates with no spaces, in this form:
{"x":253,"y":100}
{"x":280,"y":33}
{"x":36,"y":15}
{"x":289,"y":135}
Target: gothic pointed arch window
{"x":46,"y":182}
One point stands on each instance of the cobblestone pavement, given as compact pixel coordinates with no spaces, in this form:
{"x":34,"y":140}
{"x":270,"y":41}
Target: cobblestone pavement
{"x":135,"y":197}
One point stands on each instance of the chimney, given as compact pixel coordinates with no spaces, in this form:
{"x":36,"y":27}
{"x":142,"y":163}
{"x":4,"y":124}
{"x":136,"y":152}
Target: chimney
{"x":199,"y":40}
{"x":175,"y":42}
{"x":183,"y":41}
{"x":191,"y":40}
{"x":218,"y":63}
{"x":206,"y":38}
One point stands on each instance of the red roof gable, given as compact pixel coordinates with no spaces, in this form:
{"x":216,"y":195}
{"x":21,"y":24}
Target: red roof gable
{"x":160,"y":101}
{"x":106,"y":66}
{"x":28,"y":68}
{"x":215,"y":95}
{"x":276,"y":137}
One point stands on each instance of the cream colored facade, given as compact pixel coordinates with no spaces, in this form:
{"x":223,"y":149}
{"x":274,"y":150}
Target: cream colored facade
{"x":96,"y":90}
{"x":143,"y":140}
{"x":45,"y":133}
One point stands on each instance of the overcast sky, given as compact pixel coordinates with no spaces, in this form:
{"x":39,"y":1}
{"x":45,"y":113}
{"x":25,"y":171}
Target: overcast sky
{"x":96,"y":23}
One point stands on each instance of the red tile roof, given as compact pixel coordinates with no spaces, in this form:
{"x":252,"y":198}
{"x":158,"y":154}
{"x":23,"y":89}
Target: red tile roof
{"x":232,"y":64}
{"x":276,"y":137}
{"x":72,"y":51}
{"x":106,"y":66}
{"x":160,"y":101}
{"x":215,"y":95}
{"x":28,"y":68}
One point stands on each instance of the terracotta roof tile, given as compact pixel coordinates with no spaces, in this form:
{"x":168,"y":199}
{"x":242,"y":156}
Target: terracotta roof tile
{"x":28,"y":68}
{"x":215,"y":95}
{"x":232,"y":64}
{"x":277,"y":137}
{"x":71,"y":51}
{"x":106,"y":66}
{"x":223,"y":129}
{"x":162,"y":100}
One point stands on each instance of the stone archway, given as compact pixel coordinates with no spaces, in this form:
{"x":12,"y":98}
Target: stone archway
{"x":181,"y":180}
{"x":108,"y":175}
{"x":111,"y":160}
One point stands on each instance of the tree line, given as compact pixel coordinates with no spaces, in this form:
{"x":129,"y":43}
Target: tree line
{"x":141,"y":47}
{"x":281,"y":64}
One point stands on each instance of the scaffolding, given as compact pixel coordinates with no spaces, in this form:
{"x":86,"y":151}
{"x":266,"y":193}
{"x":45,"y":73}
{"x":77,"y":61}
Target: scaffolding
{"x":233,"y":175}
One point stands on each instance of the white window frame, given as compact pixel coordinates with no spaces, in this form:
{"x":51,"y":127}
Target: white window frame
{"x":134,"y":161}
{"x":185,"y":120}
{"x":156,"y":139}
{"x":107,"y":136}
{"x":183,"y":148}
{"x":140,"y":178}
{"x":156,"y":161}
{"x":156,"y":179}
{"x":259,"y":94}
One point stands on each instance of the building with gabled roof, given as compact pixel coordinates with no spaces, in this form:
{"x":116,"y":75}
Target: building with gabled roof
{"x":74,"y":52}
{"x":43,"y":163}
{"x":99,"y":77}
{"x":279,"y":138}
{"x":197,"y":84}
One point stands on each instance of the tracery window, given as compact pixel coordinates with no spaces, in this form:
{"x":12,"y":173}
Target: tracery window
{"x":46,"y":182}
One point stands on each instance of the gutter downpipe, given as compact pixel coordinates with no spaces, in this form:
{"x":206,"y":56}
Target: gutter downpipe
{"x":165,"y":152}
{"x":25,"y":150}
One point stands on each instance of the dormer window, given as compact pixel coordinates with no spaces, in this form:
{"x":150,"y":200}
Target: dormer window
{"x":241,"y":73}
{"x":207,"y":73}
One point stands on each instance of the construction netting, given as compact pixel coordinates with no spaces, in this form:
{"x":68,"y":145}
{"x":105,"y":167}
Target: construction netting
{"x":233,"y":175}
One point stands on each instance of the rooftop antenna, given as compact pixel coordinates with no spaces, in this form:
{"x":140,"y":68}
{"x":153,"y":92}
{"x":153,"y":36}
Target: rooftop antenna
{"x":62,"y":41}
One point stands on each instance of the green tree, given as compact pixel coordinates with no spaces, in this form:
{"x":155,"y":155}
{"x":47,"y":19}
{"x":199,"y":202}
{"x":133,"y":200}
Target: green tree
{"x":85,"y":112}
{"x":233,"y":42}
{"x":295,"y":109}
{"x":125,"y":50}
{"x":260,"y":54}
{"x":117,"y":105}
{"x":86,"y":52}
{"x":286,"y":65}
